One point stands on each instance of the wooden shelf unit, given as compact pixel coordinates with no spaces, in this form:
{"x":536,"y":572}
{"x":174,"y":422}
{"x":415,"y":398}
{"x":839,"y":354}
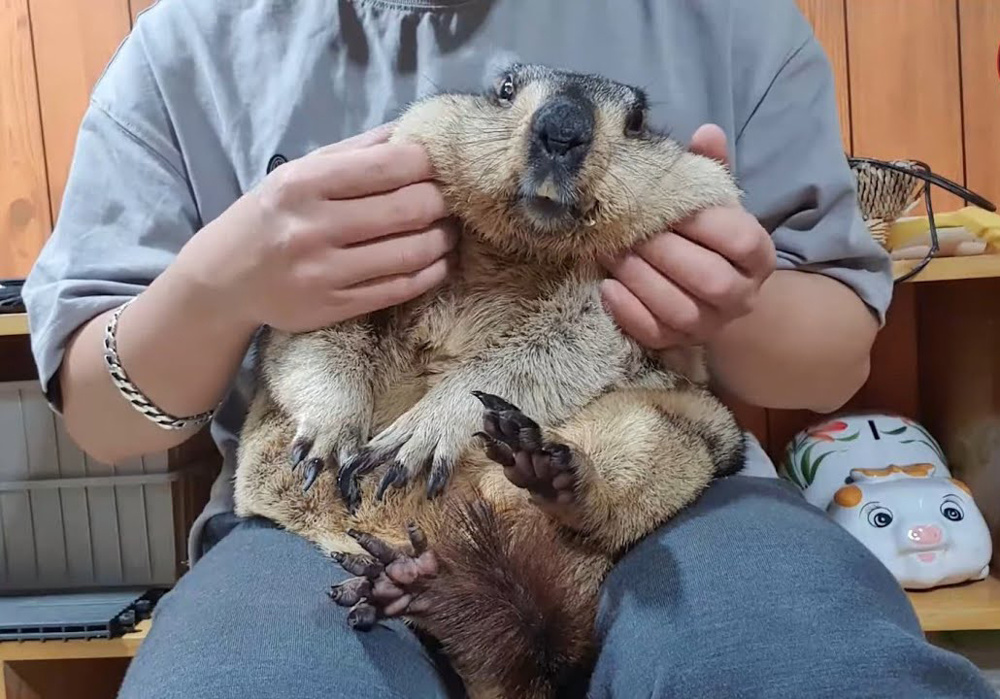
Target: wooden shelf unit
{"x":968,"y":607}
{"x":78,"y":649}
{"x":83,"y":669}
{"x":951,"y":268}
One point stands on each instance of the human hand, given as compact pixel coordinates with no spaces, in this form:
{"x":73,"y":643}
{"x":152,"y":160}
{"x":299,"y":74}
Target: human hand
{"x":348,"y":229}
{"x":685,"y":285}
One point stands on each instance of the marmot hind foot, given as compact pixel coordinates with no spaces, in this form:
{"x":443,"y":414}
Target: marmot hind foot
{"x":388,"y":583}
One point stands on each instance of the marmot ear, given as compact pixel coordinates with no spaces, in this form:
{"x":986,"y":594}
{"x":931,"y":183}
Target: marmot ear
{"x":499,"y":63}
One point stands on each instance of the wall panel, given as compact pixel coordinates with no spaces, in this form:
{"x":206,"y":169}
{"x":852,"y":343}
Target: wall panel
{"x":829,"y":21}
{"x":906,"y":99}
{"x":979,"y":24}
{"x":24,"y":202}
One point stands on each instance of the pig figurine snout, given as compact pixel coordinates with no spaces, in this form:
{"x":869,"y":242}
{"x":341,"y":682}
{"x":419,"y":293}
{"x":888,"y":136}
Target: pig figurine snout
{"x":925,"y":535}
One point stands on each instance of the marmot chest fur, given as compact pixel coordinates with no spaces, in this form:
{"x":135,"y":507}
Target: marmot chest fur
{"x":478,"y":459}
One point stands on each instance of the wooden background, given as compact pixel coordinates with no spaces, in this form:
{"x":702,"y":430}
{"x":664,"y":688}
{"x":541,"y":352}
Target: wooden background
{"x":916,"y":78}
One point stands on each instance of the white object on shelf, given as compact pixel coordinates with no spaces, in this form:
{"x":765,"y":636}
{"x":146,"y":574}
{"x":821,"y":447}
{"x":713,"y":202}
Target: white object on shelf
{"x":885,"y":479}
{"x":68,"y":522}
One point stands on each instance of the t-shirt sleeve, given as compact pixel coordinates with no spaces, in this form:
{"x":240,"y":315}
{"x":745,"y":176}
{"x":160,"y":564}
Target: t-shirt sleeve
{"x":127,"y":210}
{"x":791,"y":163}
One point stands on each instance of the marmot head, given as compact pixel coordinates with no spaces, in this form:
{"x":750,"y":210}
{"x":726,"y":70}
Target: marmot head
{"x":560,"y":165}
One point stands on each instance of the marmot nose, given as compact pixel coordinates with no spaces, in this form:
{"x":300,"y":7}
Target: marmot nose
{"x":563,"y":126}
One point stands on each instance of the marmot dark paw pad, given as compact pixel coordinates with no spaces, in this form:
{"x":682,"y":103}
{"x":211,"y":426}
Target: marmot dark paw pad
{"x":515,"y":441}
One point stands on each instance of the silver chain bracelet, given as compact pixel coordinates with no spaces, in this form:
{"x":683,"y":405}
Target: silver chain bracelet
{"x":131,"y":392}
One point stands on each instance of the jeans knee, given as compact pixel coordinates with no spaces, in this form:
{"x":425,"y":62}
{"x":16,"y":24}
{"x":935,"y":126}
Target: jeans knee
{"x":253,"y":618}
{"x":749,"y":582}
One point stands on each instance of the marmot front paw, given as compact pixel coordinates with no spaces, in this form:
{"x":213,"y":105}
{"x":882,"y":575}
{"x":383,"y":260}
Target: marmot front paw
{"x":320,"y":445}
{"x":430,"y":437}
{"x":547,"y":470}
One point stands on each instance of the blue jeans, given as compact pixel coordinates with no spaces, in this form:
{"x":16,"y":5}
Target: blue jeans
{"x":749,"y":593}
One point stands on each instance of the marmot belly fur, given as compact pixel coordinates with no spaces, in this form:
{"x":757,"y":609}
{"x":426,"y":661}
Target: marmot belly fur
{"x":479,"y":458}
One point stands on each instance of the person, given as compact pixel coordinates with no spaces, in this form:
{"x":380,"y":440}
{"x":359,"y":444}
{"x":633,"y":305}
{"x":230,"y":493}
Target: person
{"x":192,"y":197}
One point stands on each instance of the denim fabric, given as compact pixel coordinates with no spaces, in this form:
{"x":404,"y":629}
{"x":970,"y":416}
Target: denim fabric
{"x":749,"y":593}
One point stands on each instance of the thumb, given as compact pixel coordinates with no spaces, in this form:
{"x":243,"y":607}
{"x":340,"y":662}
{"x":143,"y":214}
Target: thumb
{"x":710,"y":141}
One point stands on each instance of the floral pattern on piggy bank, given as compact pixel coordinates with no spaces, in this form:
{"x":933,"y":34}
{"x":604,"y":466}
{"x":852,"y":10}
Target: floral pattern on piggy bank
{"x":924,"y":527}
{"x":819,"y":459}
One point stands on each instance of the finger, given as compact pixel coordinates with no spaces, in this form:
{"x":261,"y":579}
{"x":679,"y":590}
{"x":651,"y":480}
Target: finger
{"x":401,"y":254}
{"x":736,"y":235}
{"x":709,"y":140}
{"x":377,"y":294}
{"x":703,"y":274}
{"x":354,"y":173}
{"x":635,"y":319}
{"x":670,"y":305}
{"x":411,"y":208}
{"x":371,"y":137}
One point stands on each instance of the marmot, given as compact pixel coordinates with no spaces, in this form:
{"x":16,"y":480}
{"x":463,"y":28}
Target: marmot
{"x":480,"y":457}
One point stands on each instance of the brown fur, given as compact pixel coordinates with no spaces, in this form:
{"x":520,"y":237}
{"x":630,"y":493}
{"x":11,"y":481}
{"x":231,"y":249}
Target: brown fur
{"x":390,"y":397}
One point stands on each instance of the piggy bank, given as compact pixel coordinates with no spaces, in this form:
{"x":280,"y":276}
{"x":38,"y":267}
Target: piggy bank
{"x":925,"y":528}
{"x":919,"y":521}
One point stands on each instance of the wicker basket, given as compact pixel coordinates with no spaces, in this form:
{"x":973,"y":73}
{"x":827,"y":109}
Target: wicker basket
{"x":890,"y":189}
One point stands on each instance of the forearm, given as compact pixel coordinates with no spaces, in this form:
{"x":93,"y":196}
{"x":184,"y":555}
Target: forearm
{"x":806,"y":345}
{"x":179,"y":344}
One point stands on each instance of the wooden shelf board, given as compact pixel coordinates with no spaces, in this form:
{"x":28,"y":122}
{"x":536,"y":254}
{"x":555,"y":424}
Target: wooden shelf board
{"x":13,"y":324}
{"x":123,"y":647}
{"x":950,"y":268}
{"x":968,"y":607}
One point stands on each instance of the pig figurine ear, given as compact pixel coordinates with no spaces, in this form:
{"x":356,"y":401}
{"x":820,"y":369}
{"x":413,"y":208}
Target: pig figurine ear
{"x":961,"y":486}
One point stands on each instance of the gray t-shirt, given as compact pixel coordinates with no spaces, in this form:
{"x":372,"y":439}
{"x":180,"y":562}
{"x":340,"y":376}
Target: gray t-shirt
{"x":202,"y":95}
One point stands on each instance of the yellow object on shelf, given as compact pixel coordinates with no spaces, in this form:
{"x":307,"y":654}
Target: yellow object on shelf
{"x":13,"y":324}
{"x":973,"y":220}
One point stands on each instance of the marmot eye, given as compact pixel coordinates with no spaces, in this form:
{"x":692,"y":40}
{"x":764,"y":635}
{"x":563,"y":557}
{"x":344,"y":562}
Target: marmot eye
{"x":505,"y":93}
{"x":635,"y":122}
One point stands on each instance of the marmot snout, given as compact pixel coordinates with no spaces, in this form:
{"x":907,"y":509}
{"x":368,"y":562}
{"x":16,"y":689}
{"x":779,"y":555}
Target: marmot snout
{"x":559,"y":165}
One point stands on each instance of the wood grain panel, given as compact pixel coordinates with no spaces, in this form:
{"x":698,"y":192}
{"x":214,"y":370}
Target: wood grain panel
{"x":24,"y":202}
{"x":979,"y":28}
{"x":58,"y":679}
{"x":73,"y":43}
{"x":138,"y":6}
{"x":906,"y":97}
{"x":829,"y":22}
{"x":960,"y":381}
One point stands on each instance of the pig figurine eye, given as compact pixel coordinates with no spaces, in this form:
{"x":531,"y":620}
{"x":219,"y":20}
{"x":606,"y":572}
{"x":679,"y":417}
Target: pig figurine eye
{"x":952,"y":511}
{"x":880,"y":517}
